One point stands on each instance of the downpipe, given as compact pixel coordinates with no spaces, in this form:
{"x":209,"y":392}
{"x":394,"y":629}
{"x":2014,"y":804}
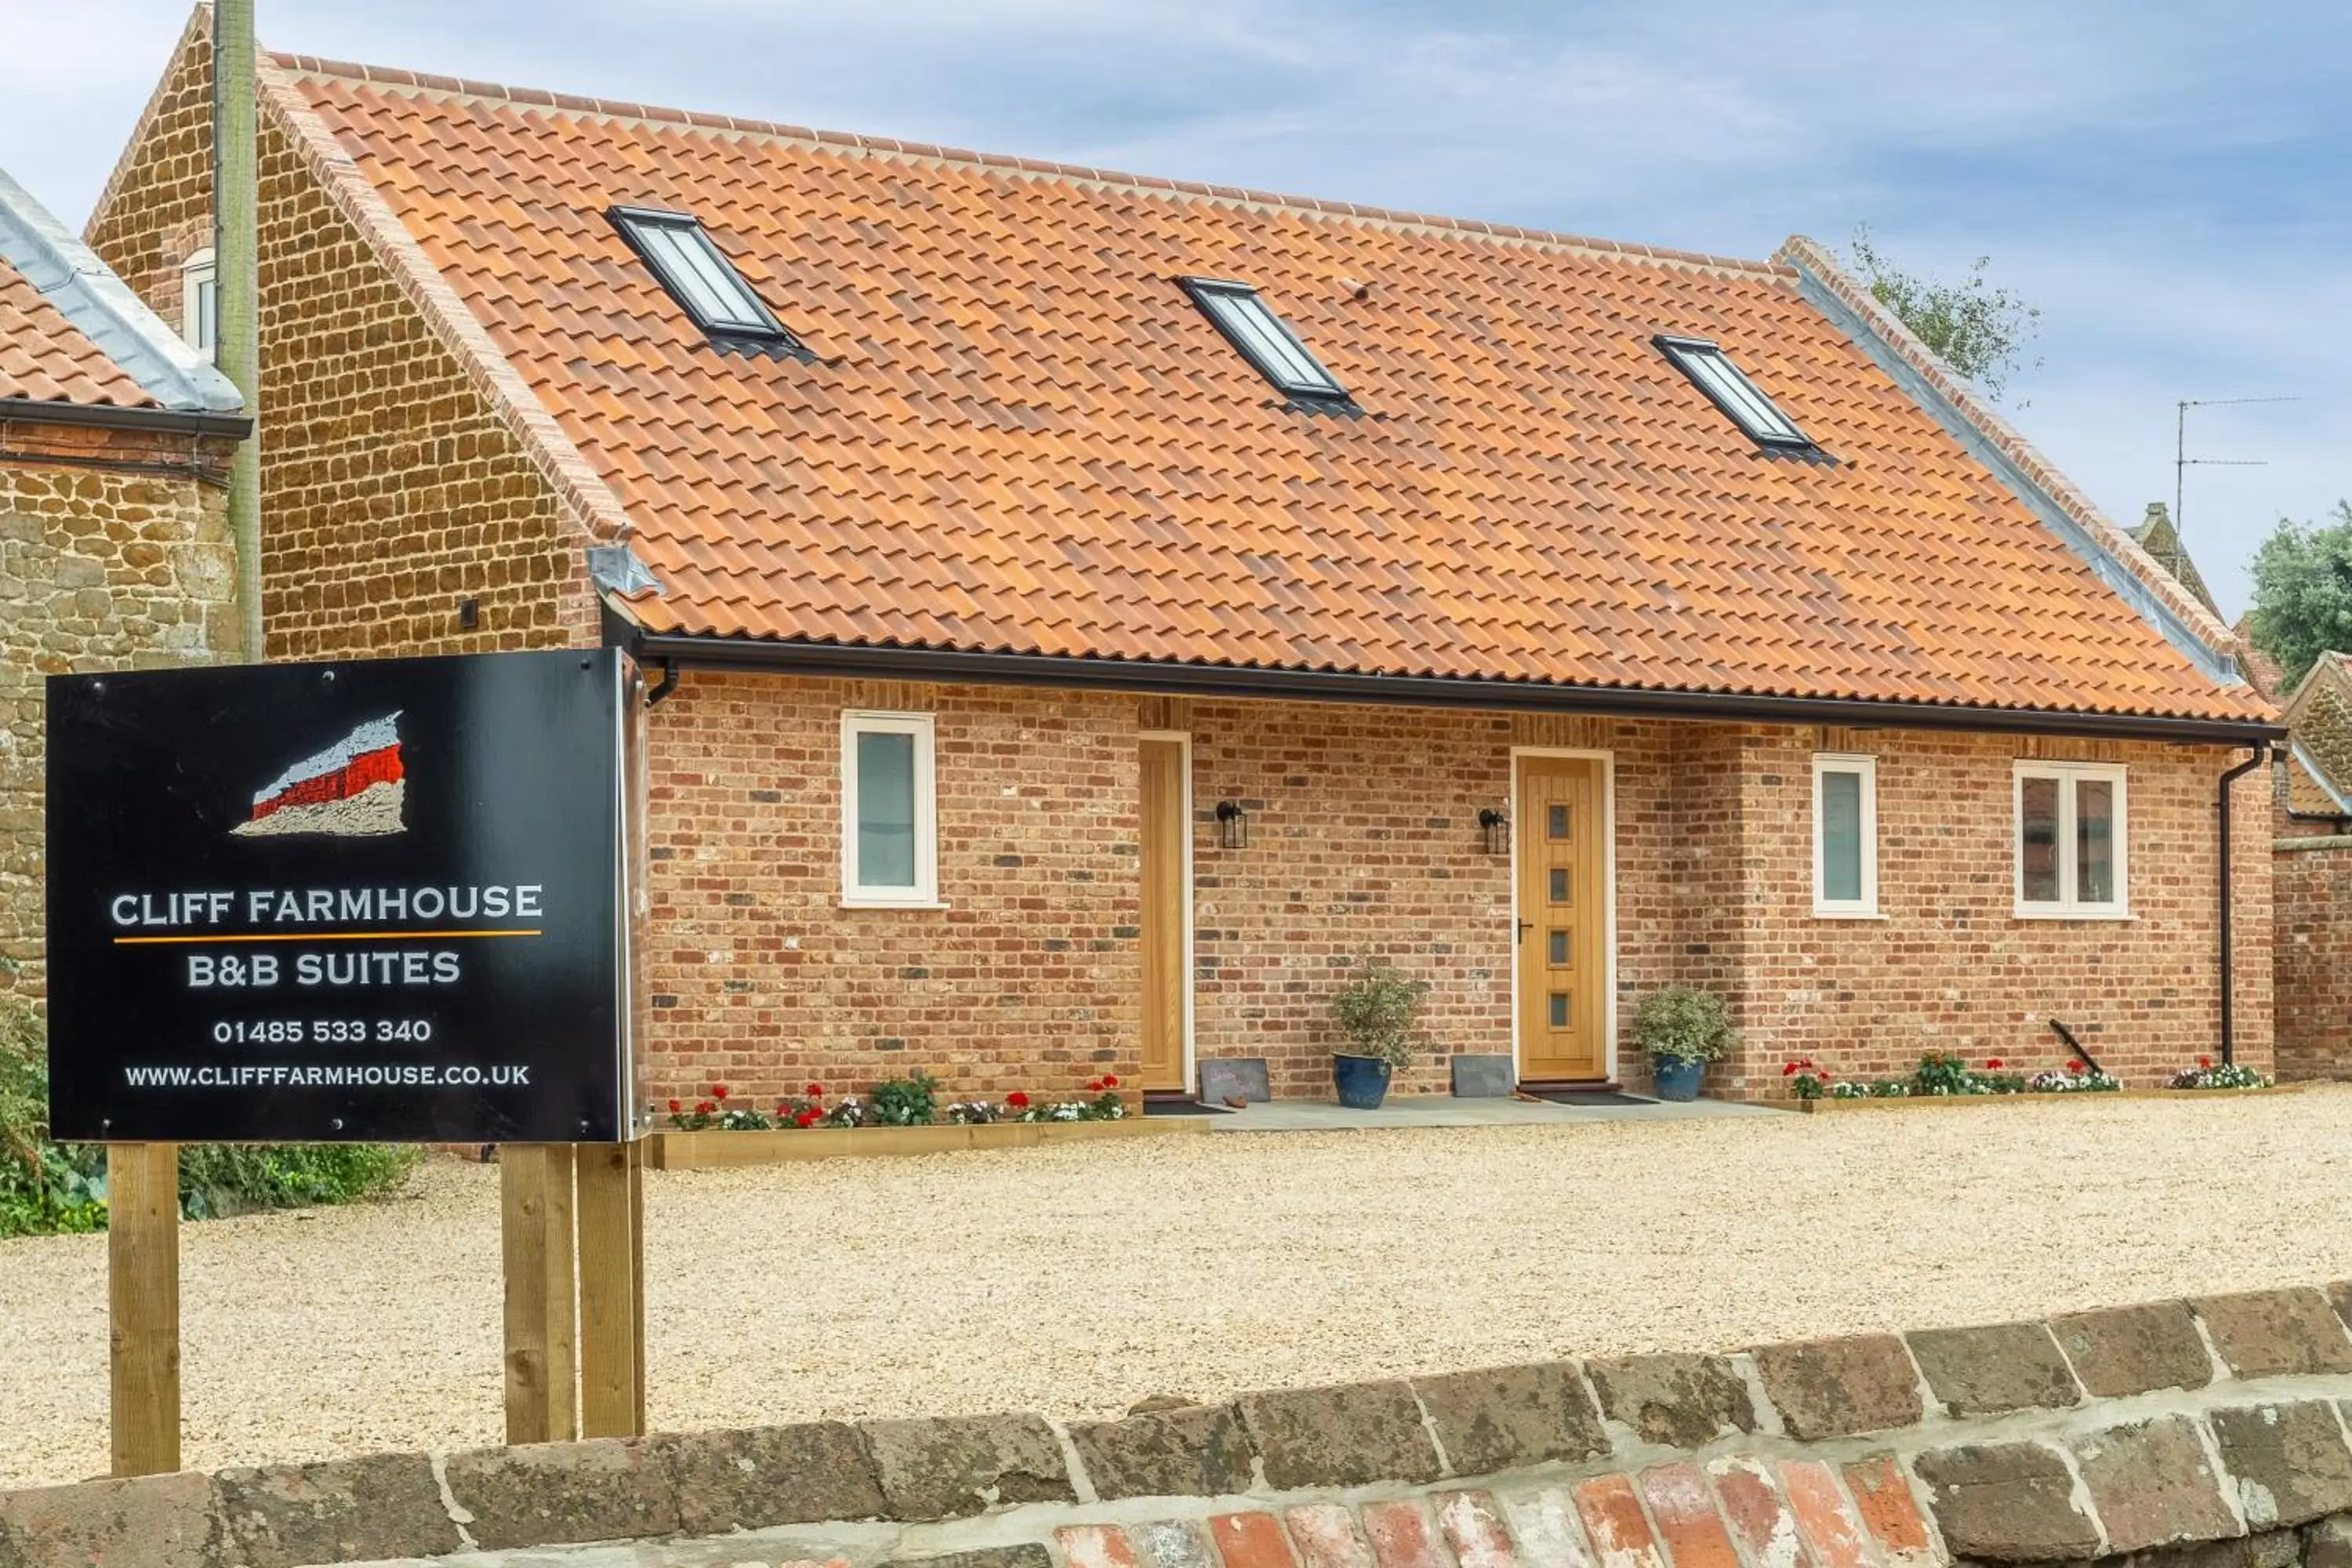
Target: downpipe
{"x":2229,"y":984}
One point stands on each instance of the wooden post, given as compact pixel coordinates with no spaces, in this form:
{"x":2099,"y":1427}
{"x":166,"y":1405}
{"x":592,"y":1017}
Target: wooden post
{"x":612,"y":1290}
{"x":142,"y":1289}
{"x":535,"y":1230}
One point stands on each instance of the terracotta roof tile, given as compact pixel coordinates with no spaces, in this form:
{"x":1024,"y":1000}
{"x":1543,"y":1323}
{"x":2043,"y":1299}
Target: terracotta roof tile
{"x":1020,"y":437}
{"x":45,"y":358}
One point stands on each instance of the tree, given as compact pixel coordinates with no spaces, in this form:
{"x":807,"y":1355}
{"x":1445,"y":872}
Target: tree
{"x":2303,"y":592}
{"x":1979,"y":329}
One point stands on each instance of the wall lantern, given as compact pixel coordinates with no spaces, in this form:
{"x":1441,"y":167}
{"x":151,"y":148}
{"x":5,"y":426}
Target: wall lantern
{"x":1232,"y":826}
{"x":1497,"y":829}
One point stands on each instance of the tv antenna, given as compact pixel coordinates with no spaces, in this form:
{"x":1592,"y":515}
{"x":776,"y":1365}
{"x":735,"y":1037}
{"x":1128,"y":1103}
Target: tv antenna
{"x":2182,"y":462}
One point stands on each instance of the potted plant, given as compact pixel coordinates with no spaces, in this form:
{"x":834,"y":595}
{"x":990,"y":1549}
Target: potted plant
{"x":1682,"y":1030}
{"x":1379,"y":1010}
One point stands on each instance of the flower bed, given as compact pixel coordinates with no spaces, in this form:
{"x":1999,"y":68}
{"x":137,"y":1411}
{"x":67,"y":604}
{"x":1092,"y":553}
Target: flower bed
{"x":1940,"y":1078}
{"x":898,"y":1116}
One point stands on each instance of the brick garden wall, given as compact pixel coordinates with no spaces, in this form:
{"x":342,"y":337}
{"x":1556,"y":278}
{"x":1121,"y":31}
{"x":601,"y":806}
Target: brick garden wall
{"x":99,"y":570}
{"x":391,"y":490}
{"x":2313,"y":957}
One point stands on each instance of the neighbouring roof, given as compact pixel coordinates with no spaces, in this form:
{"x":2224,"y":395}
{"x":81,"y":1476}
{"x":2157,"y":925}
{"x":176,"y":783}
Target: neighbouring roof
{"x":1018,"y":434}
{"x":2318,"y":718}
{"x":2158,"y":534}
{"x":71,"y":332}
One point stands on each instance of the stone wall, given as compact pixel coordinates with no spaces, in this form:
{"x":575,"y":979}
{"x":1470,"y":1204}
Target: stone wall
{"x":2312,"y":960}
{"x":2198,"y":1433}
{"x":114,"y":554}
{"x":392,"y":491}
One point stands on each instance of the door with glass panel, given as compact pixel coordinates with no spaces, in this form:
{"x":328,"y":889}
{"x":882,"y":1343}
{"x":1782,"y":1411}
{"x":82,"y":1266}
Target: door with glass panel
{"x":1563,"y":920}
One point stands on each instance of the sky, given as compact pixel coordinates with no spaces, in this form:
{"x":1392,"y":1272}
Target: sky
{"x":2167,"y":184}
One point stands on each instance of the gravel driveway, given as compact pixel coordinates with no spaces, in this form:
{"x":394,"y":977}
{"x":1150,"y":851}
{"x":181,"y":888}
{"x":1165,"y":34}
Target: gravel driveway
{"x":1078,"y":1279}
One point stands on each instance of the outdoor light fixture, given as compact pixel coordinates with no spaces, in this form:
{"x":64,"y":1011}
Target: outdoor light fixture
{"x":1232,"y":826}
{"x":1498,"y":831}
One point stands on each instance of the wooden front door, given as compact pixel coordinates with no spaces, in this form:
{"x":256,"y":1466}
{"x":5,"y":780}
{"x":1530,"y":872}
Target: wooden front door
{"x":1563,"y":920}
{"x":1167,"y":902}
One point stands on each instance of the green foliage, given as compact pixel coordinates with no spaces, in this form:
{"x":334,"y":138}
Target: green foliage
{"x":48,"y":1188}
{"x":904,"y":1102}
{"x":1684,"y":1023}
{"x":1940,"y":1074}
{"x":217,"y":1180}
{"x":1979,"y":329}
{"x":1380,"y":1012}
{"x":2303,"y":592}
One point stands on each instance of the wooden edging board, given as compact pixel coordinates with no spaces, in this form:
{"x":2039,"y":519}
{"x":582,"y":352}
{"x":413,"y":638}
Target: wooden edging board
{"x":1939,"y":1101}
{"x":712,"y":1150}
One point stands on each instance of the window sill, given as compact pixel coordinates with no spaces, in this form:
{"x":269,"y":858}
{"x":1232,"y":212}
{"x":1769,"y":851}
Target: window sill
{"x":1836,"y":914}
{"x":849,"y":903}
{"x":2027,"y":913}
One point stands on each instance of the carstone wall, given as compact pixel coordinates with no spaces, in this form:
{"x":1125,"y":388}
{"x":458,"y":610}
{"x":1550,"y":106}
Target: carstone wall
{"x":2202,"y":1434}
{"x":114,"y":554}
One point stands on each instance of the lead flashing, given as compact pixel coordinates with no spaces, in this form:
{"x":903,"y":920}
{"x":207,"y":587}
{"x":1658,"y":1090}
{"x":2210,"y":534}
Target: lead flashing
{"x":101,"y":307}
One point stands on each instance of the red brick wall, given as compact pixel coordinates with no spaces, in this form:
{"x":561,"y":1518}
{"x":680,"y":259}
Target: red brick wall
{"x":1950,"y":969}
{"x":1363,"y":839}
{"x":2312,"y":961}
{"x":1030,"y":979}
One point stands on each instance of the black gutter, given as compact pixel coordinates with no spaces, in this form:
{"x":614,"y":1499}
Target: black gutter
{"x":103,"y":416}
{"x":2221,"y":809}
{"x":839,"y":660}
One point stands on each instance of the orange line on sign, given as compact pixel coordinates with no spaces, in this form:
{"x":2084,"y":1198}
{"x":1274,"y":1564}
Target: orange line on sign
{"x":317,"y":936}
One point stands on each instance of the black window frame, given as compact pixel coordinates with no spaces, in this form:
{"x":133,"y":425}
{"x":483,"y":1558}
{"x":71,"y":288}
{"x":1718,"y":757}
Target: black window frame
{"x":1202,"y":291}
{"x":768,"y":335}
{"x":1681,"y":351}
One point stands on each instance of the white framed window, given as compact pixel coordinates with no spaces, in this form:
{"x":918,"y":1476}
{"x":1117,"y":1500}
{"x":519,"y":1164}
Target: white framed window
{"x":2072,"y":840}
{"x":200,"y":304}
{"x":890,"y":814}
{"x":1845,"y":836}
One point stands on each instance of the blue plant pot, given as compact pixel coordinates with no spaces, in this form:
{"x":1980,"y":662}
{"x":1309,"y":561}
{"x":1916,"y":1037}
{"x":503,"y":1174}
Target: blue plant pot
{"x":1362,"y":1081}
{"x":1677,"y":1078}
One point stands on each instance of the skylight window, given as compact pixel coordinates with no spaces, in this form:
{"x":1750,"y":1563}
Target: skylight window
{"x":701,"y":279}
{"x":1727,"y":386}
{"x":1264,"y":339}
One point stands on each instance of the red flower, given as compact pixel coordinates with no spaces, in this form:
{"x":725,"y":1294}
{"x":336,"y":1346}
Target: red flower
{"x":705,"y":1109}
{"x":1110,"y":1080}
{"x":816,"y":1091}
{"x":718,"y":1091}
{"x":1017,"y":1100}
{"x":807,"y":1117}
{"x":2204,"y":1061}
{"x":1994,"y":1064}
{"x":674,"y":1107}
{"x":1788,"y":1070}
{"x":1094,"y":1086}
{"x":2077,"y":1068}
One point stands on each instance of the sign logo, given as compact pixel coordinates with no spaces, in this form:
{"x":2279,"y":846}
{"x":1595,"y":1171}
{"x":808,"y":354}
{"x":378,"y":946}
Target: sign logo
{"x":353,"y":789}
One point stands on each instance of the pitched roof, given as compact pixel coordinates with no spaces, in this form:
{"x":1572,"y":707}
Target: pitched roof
{"x":2160,"y":537}
{"x":1018,"y":435}
{"x":2318,"y":717}
{"x":71,"y":332}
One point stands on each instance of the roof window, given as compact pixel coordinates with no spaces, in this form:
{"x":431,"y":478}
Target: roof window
{"x":1727,"y":386}
{"x":699,"y":277}
{"x":1264,"y":339}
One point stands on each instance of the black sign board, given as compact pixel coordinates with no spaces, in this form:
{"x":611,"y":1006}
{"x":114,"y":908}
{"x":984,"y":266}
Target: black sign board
{"x":381,"y":900}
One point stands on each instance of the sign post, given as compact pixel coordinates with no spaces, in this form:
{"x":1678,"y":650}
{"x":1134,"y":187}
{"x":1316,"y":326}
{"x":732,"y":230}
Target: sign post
{"x":382,"y":901}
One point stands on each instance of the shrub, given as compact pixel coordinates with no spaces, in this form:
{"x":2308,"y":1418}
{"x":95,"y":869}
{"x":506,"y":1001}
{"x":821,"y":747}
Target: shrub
{"x":1379,"y":1013}
{"x":905,"y":1101}
{"x":1684,"y":1023}
{"x":2208,"y":1074}
{"x":47,"y":1187}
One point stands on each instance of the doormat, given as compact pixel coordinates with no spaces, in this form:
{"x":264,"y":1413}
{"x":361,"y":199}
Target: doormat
{"x":1586,"y":1096}
{"x":1182,"y":1108}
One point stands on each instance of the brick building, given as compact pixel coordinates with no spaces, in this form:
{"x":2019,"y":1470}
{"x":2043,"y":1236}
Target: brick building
{"x":114,"y":445}
{"x":1086,"y":612}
